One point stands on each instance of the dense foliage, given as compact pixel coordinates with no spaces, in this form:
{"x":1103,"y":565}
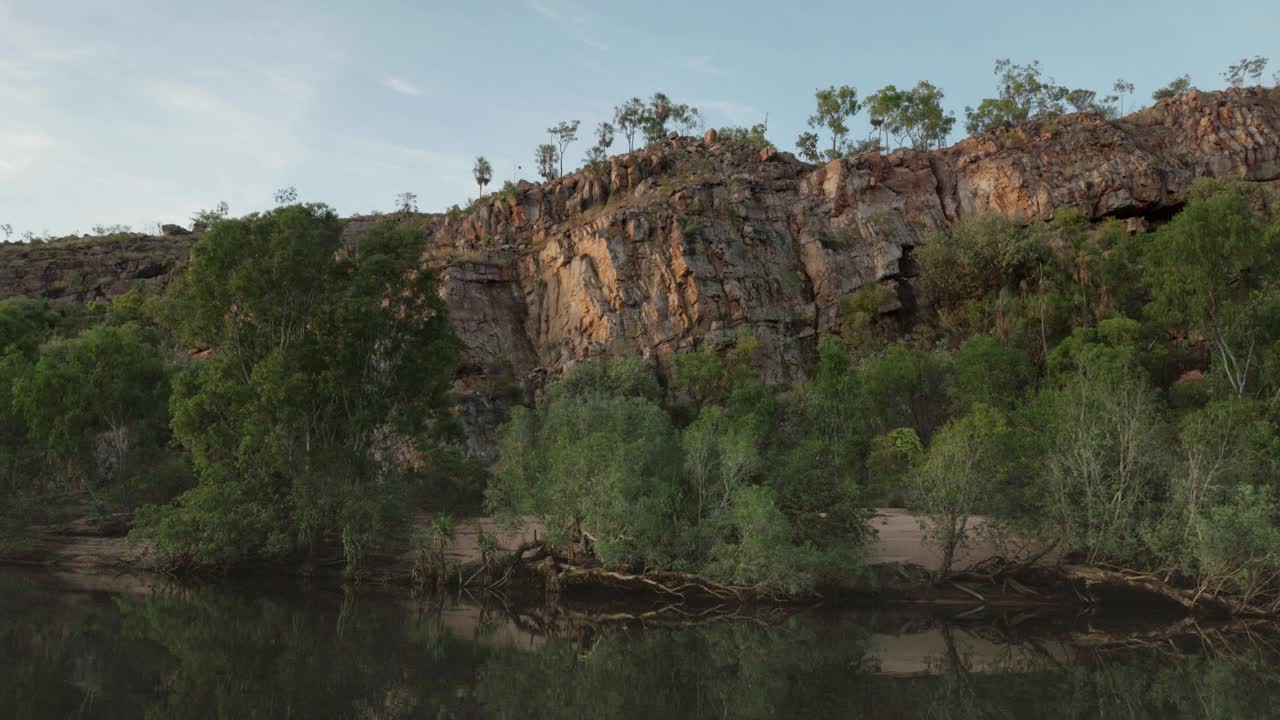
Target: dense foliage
{"x":318,"y":412}
{"x":328,"y":383}
{"x":1124,"y":401}
{"x":1117,"y":397}
{"x":1114,"y":396}
{"x":83,"y":395}
{"x":731,"y":494}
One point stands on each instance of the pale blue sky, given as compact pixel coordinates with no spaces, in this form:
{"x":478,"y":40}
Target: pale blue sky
{"x":143,"y":111}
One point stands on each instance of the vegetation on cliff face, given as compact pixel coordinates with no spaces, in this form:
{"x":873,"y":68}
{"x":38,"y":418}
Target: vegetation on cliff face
{"x":1111,"y":395}
{"x":1114,"y":396}
{"x":1117,"y":398}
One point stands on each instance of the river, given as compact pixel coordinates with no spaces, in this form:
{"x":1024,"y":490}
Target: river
{"x":123,"y":647}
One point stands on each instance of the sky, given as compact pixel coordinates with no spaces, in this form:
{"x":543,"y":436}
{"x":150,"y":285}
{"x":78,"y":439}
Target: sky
{"x":139,"y":112}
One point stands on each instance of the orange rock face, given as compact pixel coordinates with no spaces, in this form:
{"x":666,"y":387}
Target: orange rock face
{"x":688,"y":242}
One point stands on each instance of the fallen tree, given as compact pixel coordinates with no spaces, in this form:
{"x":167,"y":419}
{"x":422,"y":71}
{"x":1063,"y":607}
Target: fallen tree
{"x":1206,"y":598}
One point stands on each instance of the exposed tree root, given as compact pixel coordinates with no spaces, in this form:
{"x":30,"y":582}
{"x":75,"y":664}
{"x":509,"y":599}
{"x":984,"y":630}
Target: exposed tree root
{"x":1200,"y":600}
{"x":562,"y":574}
{"x":681,"y":587}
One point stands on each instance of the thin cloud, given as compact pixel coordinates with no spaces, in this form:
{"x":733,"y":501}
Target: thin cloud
{"x":20,"y":150}
{"x":575,"y":22}
{"x":703,"y":64}
{"x":241,"y":121}
{"x":202,"y":119}
{"x":400,"y":85}
{"x":734,"y":112}
{"x":542,"y":9}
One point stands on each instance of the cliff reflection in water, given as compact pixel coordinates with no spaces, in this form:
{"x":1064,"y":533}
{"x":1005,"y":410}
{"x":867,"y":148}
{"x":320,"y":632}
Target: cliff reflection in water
{"x":128,"y":651}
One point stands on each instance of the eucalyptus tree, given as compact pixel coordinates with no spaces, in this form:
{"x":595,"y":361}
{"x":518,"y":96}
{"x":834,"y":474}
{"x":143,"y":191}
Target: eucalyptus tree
{"x":1247,"y":68}
{"x":563,"y":135}
{"x":329,"y":369}
{"x":1122,"y":87}
{"x":835,"y":106}
{"x":629,"y":117}
{"x":1024,"y":92}
{"x":407,"y":202}
{"x":1176,"y":87}
{"x":914,"y":115}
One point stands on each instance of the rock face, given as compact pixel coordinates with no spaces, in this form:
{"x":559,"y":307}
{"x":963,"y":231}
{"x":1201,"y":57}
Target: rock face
{"x":90,"y":268}
{"x":684,"y":245}
{"x":689,"y":242}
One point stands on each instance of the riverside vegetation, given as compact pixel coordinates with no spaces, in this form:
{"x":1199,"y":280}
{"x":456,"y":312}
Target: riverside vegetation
{"x":288,"y":399}
{"x":1053,"y":384}
{"x":1113,"y":397}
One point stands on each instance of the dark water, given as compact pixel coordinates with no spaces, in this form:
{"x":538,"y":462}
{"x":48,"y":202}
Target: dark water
{"x":112,"y":648}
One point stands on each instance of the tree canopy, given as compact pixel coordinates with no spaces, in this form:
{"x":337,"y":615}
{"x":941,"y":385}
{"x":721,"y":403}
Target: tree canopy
{"x":329,"y":381}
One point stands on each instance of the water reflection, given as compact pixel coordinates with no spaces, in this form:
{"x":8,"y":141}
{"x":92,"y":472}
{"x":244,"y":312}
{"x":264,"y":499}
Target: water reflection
{"x":123,"y":650}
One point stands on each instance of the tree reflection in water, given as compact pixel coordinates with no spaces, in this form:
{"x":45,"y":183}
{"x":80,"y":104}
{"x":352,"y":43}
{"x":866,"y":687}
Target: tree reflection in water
{"x":247,"y":654}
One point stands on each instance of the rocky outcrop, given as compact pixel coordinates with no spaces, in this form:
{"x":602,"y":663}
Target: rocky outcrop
{"x":90,"y":268}
{"x":685,"y":244}
{"x":689,"y":242}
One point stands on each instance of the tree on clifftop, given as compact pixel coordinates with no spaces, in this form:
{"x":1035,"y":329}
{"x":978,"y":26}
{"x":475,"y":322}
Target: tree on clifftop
{"x":204,"y":219}
{"x":686,"y":119}
{"x":483,"y":173}
{"x":547,"y":158}
{"x":834,"y":107}
{"x":599,"y":152}
{"x":1246,"y":68}
{"x":563,"y":135}
{"x":1122,"y":88}
{"x":407,"y":202}
{"x":604,"y":135}
{"x":1175,"y":88}
{"x":1024,"y":93}
{"x":629,"y":118}
{"x":662,"y":111}
{"x":915,"y":115}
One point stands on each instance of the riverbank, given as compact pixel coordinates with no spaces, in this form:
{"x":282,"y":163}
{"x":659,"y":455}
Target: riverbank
{"x":85,"y":546}
{"x":899,"y":566}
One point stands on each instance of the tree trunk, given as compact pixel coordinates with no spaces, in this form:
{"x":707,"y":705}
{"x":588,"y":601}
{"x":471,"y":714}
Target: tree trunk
{"x":948,"y":557}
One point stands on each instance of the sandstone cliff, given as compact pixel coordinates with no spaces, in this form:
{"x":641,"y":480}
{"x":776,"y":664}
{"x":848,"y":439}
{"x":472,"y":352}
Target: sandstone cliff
{"x":688,"y":242}
{"x":90,"y":268}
